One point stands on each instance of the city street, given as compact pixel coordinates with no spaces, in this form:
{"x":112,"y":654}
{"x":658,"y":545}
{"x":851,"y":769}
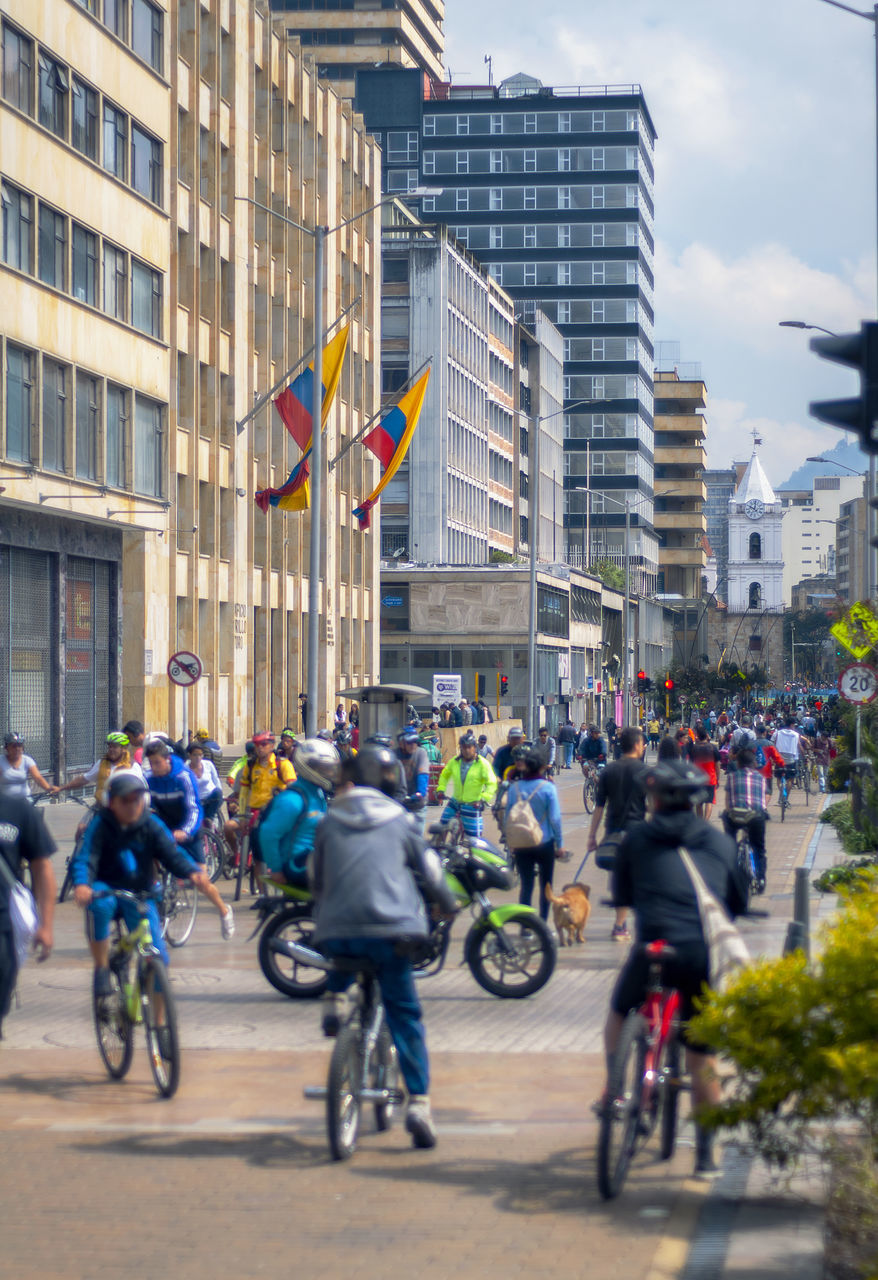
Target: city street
{"x":233,"y":1178}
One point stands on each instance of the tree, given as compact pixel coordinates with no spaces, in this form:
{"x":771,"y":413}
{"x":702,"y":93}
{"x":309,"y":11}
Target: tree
{"x":610,"y":574}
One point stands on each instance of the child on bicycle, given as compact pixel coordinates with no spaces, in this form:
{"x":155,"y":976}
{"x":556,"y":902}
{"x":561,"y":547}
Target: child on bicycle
{"x":118,"y":851}
{"x":370,"y":872}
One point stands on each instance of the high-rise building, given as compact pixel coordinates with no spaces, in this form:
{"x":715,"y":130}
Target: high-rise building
{"x":680,"y":491}
{"x":143,"y":308}
{"x":344,"y":36}
{"x":553,"y":190}
{"x":809,"y":529}
{"x":850,"y":546}
{"x":720,"y":485}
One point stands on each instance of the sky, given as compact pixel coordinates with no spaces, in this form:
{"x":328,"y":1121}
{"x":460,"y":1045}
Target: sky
{"x":765,"y":183}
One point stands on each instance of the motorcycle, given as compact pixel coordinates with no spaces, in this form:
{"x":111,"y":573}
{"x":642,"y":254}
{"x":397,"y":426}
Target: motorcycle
{"x":284,"y":917}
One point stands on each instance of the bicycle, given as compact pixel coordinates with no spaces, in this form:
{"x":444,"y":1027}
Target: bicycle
{"x":804,"y":770}
{"x":738,"y":820}
{"x":144,"y":997}
{"x":590,"y":786}
{"x":67,"y":882}
{"x":218,"y":856}
{"x":178,"y":907}
{"x":783,"y":790}
{"x":645,"y":1084}
{"x":363,"y":1067}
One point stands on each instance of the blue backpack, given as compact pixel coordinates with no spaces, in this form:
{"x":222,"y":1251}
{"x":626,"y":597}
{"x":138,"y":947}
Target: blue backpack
{"x":760,"y":754}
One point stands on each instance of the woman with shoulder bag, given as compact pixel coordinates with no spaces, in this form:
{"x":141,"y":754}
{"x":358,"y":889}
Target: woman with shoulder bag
{"x":532,"y":827}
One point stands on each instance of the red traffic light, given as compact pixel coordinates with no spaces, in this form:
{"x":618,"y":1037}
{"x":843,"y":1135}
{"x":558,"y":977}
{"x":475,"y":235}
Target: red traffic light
{"x":641,"y":675}
{"x":669,"y":684}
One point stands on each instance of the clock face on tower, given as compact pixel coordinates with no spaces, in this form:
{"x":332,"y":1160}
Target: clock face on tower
{"x":754,"y":509}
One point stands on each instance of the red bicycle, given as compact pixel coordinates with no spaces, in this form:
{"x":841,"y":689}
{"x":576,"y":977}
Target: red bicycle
{"x":645,"y":1085}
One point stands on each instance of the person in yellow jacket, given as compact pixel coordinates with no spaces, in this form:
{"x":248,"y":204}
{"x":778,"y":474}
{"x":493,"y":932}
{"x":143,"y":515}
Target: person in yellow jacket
{"x":259,"y":778}
{"x":467,"y":784}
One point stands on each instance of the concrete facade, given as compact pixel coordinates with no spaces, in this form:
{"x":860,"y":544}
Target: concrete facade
{"x":747,"y":639}
{"x":809,"y":530}
{"x":755,"y":547}
{"x":680,"y":490}
{"x":167,"y":307}
{"x":850,"y":548}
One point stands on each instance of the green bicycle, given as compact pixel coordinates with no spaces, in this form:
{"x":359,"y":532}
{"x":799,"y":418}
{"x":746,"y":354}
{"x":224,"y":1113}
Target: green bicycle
{"x":141,"y":994}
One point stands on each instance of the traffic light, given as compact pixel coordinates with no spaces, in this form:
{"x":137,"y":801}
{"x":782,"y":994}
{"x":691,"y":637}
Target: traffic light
{"x":647,"y":685}
{"x":641,"y":682}
{"x":669,"y":684}
{"x":504,"y":685}
{"x":858,"y":413}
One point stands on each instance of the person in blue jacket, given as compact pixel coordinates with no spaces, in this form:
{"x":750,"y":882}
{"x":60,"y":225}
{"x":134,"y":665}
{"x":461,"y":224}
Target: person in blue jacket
{"x":173,"y":794}
{"x":286,"y":830}
{"x":538,"y":860}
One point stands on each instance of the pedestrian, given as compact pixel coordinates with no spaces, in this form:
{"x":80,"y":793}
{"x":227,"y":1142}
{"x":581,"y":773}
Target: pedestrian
{"x":620,"y":793}
{"x":546,"y":743}
{"x":705,"y":756}
{"x":611,"y":729}
{"x":567,"y":741}
{"x":486,"y":751}
{"x":24,"y":838}
{"x":538,"y":860}
{"x":303,"y":711}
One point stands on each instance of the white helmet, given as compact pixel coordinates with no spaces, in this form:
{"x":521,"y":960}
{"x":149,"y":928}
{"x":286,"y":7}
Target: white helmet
{"x":318,"y":761}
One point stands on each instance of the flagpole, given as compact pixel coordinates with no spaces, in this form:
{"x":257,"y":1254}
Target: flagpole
{"x":318,"y":480}
{"x":263,"y":400}
{"x":397,"y":395}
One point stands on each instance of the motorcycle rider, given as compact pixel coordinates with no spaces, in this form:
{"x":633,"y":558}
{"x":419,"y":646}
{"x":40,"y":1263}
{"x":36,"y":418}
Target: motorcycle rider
{"x":503,"y":755}
{"x":415,"y":767}
{"x":286,"y":831}
{"x":370,"y":872}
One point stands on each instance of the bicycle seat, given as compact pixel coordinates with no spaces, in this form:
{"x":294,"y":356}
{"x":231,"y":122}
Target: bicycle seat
{"x":436,"y":829}
{"x":657,"y":951}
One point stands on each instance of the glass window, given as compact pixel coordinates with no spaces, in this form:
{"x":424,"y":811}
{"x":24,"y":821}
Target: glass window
{"x":147,"y":447}
{"x":147,"y":35}
{"x":402,"y":146}
{"x":18,"y":228}
{"x":117,"y":428}
{"x":146,"y":164}
{"x":85,"y":265}
{"x":115,"y":282}
{"x":19,"y":403}
{"x":52,"y":266}
{"x":18,"y":69}
{"x":54,"y":400}
{"x":91,"y":6}
{"x":88,"y":407}
{"x":116,"y":17}
{"x":146,"y":299}
{"x":115,"y":142}
{"x":85,"y":119}
{"x":53,"y":89}
{"x":429,"y":126}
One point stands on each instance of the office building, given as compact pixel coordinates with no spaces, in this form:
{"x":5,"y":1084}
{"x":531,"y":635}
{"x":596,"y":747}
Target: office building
{"x":851,"y":543}
{"x":553,"y":190}
{"x":809,"y":531}
{"x":680,"y":491}
{"x":344,"y":36}
{"x":144,"y":309}
{"x":720,"y":486}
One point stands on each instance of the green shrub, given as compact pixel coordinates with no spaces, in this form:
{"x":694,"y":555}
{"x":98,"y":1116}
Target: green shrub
{"x":840,"y":815}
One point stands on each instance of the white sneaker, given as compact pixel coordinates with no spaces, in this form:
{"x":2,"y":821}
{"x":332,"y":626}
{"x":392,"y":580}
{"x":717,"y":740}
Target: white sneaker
{"x":419,"y":1121}
{"x":227,"y":923}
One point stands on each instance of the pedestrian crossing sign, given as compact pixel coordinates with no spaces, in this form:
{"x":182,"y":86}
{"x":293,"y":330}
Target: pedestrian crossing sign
{"x":857,"y":630}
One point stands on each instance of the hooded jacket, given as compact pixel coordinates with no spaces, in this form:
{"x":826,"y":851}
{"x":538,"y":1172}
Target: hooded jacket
{"x":123,"y":857}
{"x":286,"y":830}
{"x":370,"y":871}
{"x":175,"y":799}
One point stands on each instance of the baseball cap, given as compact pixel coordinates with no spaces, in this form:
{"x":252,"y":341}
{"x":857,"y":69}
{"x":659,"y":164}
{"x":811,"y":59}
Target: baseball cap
{"x":125,"y":782}
{"x":263,"y":738}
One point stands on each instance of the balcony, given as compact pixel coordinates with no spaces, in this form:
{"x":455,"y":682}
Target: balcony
{"x":674,"y":487}
{"x":681,"y":455}
{"x":681,"y":521}
{"x":684,"y":557}
{"x":690,"y":424}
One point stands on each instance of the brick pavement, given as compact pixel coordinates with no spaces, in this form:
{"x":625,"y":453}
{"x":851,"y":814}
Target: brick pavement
{"x":232,"y":1175}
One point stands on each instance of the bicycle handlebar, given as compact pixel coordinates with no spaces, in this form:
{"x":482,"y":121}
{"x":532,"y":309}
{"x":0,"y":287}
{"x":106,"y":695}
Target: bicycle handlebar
{"x":139,"y":899}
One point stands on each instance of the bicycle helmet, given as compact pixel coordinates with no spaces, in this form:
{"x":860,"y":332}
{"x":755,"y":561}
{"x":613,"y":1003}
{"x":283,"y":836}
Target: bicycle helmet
{"x":157,"y":745}
{"x":409,"y":734}
{"x":263,"y":739}
{"x":519,"y":752}
{"x":676,"y":784}
{"x":374,"y":766}
{"x":13,"y":740}
{"x":343,"y":737}
{"x":379,"y":740}
{"x":288,"y":732}
{"x":467,"y":740}
{"x":117,"y":740}
{"x":317,"y":761}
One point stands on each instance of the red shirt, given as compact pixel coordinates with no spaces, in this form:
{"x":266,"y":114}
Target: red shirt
{"x":773,"y":759}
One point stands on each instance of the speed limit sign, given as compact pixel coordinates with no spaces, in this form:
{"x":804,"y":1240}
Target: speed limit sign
{"x":858,"y":683}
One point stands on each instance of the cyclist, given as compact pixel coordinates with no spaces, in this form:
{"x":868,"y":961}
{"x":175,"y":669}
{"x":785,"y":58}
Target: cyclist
{"x":620,"y":792}
{"x":415,"y":767}
{"x":705,"y":756}
{"x":745,"y":790}
{"x":470,"y":783}
{"x":207,"y":783}
{"x":286,"y":829}
{"x":17,"y":769}
{"x":789,"y":744}
{"x":24,"y":835}
{"x":485,"y":748}
{"x":370,"y":871}
{"x":118,"y":851}
{"x":259,"y":778}
{"x":503,"y":755}
{"x":592,"y":750}
{"x":286,"y":748}
{"x":116,"y":756}
{"x":650,"y":877}
{"x":549,"y":747}
{"x":767,"y":756}
{"x":174,"y":798}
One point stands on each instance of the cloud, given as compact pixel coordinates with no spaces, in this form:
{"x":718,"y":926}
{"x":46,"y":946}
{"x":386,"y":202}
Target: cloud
{"x":785,"y":445}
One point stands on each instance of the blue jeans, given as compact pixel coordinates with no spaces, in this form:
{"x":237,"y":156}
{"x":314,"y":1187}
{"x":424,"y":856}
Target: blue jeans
{"x":568,"y":754}
{"x":400,"y":999}
{"x":102,"y":913}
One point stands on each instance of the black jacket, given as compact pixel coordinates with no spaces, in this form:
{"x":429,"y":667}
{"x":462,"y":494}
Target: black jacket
{"x":650,"y":876}
{"x":123,"y":857}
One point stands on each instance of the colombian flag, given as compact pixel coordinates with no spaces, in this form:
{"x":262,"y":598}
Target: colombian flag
{"x":390,"y":441}
{"x":295,"y":495}
{"x":295,"y":401}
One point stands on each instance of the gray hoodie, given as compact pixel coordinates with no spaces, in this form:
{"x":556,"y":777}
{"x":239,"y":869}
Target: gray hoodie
{"x":369,"y":869}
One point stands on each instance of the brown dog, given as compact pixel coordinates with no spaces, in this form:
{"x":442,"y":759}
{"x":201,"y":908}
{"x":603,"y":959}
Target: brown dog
{"x":571,"y":909}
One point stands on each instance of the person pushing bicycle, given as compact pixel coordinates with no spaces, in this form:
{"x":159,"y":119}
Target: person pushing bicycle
{"x":651,"y":878}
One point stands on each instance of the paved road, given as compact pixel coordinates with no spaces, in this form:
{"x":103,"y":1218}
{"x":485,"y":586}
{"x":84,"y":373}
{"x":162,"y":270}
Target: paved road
{"x":232,"y":1176}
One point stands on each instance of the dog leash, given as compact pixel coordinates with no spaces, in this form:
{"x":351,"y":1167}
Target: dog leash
{"x":581,"y":865}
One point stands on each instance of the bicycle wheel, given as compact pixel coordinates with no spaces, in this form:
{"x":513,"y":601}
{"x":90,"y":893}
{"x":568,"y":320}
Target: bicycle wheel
{"x":589,"y":793}
{"x":385,"y":1075}
{"x":180,"y":900}
{"x":160,"y":1024}
{"x":114,"y":1030}
{"x":669,"y":1090}
{"x":806,"y":784}
{"x":617,"y":1138}
{"x":286,"y":975}
{"x":343,"y":1091}
{"x":784,"y":804}
{"x":213,"y":855}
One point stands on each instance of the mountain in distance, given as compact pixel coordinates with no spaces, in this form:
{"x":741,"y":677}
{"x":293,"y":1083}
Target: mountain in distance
{"x":846,"y":452}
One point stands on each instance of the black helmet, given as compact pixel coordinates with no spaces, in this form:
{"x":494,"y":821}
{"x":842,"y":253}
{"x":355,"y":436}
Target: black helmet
{"x":519,"y":752}
{"x":679,"y":785}
{"x":467,"y":740}
{"x":13,"y":740}
{"x":343,"y":737}
{"x":374,"y":766}
{"x":379,"y":740}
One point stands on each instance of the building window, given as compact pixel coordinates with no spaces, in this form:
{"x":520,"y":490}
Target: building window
{"x":18,"y":70}
{"x":85,"y":265}
{"x":530,"y":123}
{"x":564,"y":121}
{"x":54,"y":402}
{"x":530,"y":162}
{"x":18,"y":228}
{"x":755,"y":546}
{"x":115,"y":142}
{"x":87,"y":421}
{"x":115,"y":283}
{"x":462,"y":161}
{"x":117,"y":428}
{"x":429,"y":126}
{"x":116,"y":17}
{"x":146,"y":164}
{"x":53,"y":95}
{"x":148,"y":447}
{"x":463,"y":125}
{"x":19,"y":403}
{"x":754,"y":596}
{"x":85,"y":119}
{"x":52,"y":266}
{"x":146,"y":299}
{"x":402,"y":146}
{"x":147,"y":35}
{"x":461,"y":200}
{"x":530,"y":197}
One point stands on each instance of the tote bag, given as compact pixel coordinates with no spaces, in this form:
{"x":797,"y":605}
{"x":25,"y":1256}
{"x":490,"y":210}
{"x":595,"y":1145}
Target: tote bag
{"x":726,"y":949}
{"x":22,"y":913}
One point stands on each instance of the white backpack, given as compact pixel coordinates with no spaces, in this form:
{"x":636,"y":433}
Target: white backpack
{"x":522,"y":827}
